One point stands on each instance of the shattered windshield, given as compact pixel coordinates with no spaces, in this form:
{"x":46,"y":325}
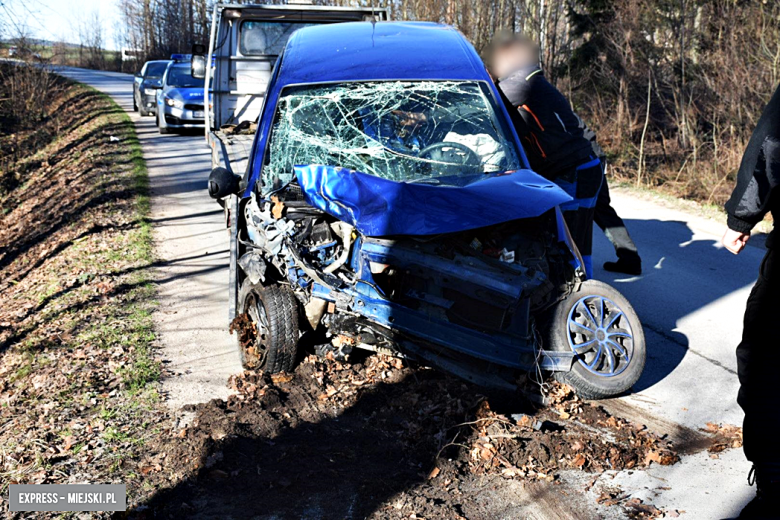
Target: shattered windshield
{"x":413,"y":131}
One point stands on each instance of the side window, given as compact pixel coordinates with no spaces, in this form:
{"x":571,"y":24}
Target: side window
{"x":259,"y":38}
{"x":143,"y":70}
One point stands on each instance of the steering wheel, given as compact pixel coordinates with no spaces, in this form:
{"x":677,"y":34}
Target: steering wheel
{"x":466,"y":155}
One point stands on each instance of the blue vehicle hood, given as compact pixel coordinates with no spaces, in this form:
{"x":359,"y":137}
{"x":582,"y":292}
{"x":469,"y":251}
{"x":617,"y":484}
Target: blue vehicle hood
{"x":381,"y":207}
{"x":190,"y":94}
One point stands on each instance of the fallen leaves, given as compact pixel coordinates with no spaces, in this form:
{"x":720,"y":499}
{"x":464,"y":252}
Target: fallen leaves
{"x":570,"y":434}
{"x":636,"y":508}
{"x":279,"y":379}
{"x":579,"y":461}
{"x":662,"y":457}
{"x":71,"y":328}
{"x":724,"y":436}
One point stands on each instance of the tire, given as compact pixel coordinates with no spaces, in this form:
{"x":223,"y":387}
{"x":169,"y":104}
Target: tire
{"x":160,"y":129}
{"x":592,"y":375}
{"x":135,"y":105}
{"x":274,"y":311}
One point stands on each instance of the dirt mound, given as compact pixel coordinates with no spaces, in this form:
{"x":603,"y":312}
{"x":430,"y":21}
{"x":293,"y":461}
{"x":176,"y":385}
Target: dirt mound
{"x":376,"y":439}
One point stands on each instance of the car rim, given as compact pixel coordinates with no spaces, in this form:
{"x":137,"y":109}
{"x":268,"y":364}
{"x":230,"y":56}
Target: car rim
{"x":257,"y":314}
{"x":600,"y":335}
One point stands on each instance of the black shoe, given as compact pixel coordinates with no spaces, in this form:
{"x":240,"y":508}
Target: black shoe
{"x":766,"y":505}
{"x":624,"y":265}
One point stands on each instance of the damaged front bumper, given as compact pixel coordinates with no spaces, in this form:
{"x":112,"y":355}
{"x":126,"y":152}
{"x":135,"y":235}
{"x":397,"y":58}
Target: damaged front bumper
{"x":512,"y":345}
{"x":506,"y":351}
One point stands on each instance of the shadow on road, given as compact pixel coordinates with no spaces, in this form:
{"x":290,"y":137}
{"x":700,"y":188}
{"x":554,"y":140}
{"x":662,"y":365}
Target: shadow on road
{"x":683,"y":274}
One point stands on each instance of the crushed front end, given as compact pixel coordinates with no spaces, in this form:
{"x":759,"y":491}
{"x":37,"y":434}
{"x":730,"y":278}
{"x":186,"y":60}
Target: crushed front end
{"x":463,"y":301}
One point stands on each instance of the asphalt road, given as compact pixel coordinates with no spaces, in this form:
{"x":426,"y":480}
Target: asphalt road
{"x":691,"y":299}
{"x":191,"y":250}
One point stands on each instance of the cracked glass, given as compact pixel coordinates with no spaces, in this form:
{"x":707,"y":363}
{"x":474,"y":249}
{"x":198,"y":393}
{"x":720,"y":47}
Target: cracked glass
{"x":438,"y":132}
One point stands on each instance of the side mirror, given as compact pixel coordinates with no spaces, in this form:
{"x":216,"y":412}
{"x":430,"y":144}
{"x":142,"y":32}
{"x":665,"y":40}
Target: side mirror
{"x":198,"y":66}
{"x":198,"y":61}
{"x":223,"y":183}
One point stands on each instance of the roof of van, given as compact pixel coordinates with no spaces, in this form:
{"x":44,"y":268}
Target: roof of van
{"x":366,"y":51}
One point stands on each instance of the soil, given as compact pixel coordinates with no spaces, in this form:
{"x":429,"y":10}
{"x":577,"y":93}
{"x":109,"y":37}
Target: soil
{"x":377,"y":439}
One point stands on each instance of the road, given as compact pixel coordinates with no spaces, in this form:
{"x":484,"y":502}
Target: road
{"x":191,"y":252}
{"x":690,"y":298}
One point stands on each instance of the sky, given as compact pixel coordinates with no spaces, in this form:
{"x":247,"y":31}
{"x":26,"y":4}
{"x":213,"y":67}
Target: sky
{"x":58,"y":19}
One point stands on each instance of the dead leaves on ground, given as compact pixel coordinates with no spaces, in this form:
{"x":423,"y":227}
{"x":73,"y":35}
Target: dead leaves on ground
{"x":570,"y":434}
{"x":724,"y":436}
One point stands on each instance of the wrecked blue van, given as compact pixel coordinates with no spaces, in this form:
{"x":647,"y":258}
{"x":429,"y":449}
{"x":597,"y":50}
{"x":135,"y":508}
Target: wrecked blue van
{"x":388,"y":205}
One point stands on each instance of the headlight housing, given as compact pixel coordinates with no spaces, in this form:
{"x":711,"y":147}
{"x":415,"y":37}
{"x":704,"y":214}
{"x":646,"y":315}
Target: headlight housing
{"x":149,"y":91}
{"x":177,"y":103}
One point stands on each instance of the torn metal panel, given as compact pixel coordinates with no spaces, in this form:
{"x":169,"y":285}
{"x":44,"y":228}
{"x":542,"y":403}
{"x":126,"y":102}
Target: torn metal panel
{"x":253,"y":265}
{"x":380,"y":207}
{"x":264,"y":230}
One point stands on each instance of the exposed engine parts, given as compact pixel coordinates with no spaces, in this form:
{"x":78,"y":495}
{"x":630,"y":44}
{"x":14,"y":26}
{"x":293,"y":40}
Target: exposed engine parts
{"x":488,"y":279}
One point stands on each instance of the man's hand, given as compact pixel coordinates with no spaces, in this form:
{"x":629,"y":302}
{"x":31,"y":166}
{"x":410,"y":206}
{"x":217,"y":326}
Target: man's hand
{"x":735,"y":241}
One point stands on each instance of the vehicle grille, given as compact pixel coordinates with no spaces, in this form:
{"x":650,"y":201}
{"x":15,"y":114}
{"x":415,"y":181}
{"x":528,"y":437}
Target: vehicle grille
{"x":193,"y":107}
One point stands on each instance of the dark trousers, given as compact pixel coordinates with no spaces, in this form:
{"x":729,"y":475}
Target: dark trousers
{"x":758,"y":359}
{"x":583,"y":185}
{"x":613,"y":226}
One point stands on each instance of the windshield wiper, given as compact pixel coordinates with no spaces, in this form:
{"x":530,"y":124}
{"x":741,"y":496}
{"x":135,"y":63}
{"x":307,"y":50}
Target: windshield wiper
{"x":426,"y":180}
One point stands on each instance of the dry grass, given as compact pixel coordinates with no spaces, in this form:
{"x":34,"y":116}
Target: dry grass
{"x":78,"y":377}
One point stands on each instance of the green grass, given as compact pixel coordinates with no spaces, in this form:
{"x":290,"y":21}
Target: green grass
{"x":112,"y":435}
{"x":130,"y":323}
{"x":107,"y":414}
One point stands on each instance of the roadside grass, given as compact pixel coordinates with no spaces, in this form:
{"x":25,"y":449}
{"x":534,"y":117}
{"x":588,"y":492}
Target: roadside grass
{"x":79,"y":380}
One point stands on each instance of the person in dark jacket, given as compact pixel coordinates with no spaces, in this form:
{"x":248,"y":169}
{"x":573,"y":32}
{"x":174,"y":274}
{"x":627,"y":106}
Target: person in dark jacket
{"x":609,"y":221}
{"x":758,"y":355}
{"x":553,"y":139}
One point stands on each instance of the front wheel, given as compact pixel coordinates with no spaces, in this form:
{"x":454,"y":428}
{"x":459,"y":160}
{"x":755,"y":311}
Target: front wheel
{"x":273,"y":314}
{"x":160,"y":129}
{"x":599,"y":325}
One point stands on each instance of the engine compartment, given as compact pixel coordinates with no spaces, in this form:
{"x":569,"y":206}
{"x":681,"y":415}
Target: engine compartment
{"x":377,"y":292}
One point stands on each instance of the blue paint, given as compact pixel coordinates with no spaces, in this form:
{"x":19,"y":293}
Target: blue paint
{"x":589,"y":164}
{"x":380,"y":207}
{"x":364,"y":51}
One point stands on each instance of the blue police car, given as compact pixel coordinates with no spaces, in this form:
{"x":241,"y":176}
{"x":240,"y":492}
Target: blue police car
{"x":180,"y":102}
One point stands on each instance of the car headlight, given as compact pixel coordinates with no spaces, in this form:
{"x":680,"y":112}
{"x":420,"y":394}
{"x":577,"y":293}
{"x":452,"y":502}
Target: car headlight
{"x":174,"y":102}
{"x":149,"y":91}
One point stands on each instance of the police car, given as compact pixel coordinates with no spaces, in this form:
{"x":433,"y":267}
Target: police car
{"x":180,"y":102}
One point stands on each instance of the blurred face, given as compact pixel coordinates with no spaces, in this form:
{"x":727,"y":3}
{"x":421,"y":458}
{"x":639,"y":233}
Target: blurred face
{"x":507,"y":58}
